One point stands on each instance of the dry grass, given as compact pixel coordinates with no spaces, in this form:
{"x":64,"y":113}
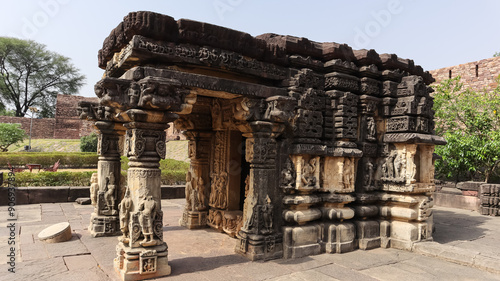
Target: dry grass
{"x":48,"y":145}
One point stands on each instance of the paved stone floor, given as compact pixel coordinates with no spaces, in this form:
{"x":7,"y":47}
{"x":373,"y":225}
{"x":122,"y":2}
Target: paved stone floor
{"x":466,"y":247}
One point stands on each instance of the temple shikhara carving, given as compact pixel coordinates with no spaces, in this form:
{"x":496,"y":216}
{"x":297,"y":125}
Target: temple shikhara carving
{"x":297,"y":147}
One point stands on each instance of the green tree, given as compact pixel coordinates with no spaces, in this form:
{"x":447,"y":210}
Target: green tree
{"x":470,"y":122}
{"x":88,"y":143}
{"x":32,"y":76}
{"x":10,"y":134}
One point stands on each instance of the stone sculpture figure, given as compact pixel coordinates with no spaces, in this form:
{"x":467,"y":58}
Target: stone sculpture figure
{"x":371,"y":129}
{"x":110,"y":195}
{"x":308,"y":169}
{"x":267,"y":216}
{"x":398,"y":167}
{"x":94,"y":191}
{"x":134,"y":93}
{"x":200,"y":185}
{"x":287,"y":175}
{"x":348,"y":173}
{"x":148,"y":208}
{"x":189,"y":191}
{"x":389,"y":165}
{"x":368,"y":173}
{"x":125,"y":207}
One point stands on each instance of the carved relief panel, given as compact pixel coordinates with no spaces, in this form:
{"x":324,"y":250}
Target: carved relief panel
{"x":338,"y":174}
{"x":308,"y":171}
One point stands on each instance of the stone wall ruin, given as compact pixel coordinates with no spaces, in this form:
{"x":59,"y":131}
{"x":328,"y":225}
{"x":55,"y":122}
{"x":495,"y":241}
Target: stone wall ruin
{"x":297,"y":147}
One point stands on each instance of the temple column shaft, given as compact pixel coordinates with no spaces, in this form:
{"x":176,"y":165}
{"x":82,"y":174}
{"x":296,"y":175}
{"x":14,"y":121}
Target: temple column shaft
{"x":260,"y":238}
{"x":106,"y":188}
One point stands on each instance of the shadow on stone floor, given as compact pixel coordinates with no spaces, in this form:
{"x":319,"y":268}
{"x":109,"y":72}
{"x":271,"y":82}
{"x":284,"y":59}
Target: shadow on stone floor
{"x":197,"y":264}
{"x":451,"y":227}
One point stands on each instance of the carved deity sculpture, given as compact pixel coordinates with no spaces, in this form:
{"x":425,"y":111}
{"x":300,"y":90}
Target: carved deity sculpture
{"x":287,"y":175}
{"x":308,"y":171}
{"x":267,"y":216}
{"x":110,"y":195}
{"x":134,"y":93}
{"x":389,"y":165}
{"x":216,"y":115}
{"x":125,"y":207}
{"x":200,"y":186}
{"x":148,"y":208}
{"x":371,"y":129}
{"x":189,"y":191}
{"x":218,"y":194}
{"x":368,"y":173}
{"x":348,"y":173}
{"x":398,"y":167}
{"x":94,"y":190}
{"x":412,"y":167}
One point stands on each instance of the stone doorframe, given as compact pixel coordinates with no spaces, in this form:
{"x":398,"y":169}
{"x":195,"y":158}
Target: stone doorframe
{"x":213,"y":180}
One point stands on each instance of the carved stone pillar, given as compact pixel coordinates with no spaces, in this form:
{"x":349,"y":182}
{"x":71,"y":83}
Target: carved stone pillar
{"x":142,"y":253}
{"x":197,"y":180}
{"x":106,"y":187}
{"x":406,"y":174}
{"x":260,"y":237}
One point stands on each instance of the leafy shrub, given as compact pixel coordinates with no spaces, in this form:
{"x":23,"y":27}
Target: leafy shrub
{"x":47,"y":159}
{"x":10,"y":134}
{"x":52,"y":178}
{"x":88,"y":143}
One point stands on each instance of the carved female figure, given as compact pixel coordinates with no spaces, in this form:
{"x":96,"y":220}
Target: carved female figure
{"x":398,"y":167}
{"x":189,"y":191}
{"x":94,"y":190}
{"x":110,"y":192}
{"x":372,"y":131}
{"x":308,"y":178}
{"x":267,"y":215}
{"x":200,"y":185}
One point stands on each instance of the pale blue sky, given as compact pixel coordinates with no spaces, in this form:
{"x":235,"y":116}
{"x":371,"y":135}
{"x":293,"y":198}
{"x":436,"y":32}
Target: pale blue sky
{"x":434,"y":34}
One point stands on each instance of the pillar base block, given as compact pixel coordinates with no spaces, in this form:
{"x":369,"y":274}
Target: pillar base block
{"x":259,"y":247}
{"x":194,"y":219}
{"x":301,"y":241}
{"x":141,"y":263}
{"x":104,"y":226}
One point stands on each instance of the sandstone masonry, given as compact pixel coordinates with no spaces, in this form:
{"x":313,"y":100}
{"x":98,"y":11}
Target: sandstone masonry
{"x":65,"y":125}
{"x":477,"y":75}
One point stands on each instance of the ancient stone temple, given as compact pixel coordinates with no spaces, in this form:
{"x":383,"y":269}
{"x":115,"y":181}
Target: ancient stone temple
{"x":297,"y":147}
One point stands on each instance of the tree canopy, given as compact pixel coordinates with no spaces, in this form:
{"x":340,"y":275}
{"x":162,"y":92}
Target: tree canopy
{"x":32,"y":76}
{"x":10,"y":134}
{"x":470,"y":122}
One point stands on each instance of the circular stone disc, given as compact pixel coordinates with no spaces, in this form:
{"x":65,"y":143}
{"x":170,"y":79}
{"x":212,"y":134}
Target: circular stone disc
{"x":56,"y":233}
